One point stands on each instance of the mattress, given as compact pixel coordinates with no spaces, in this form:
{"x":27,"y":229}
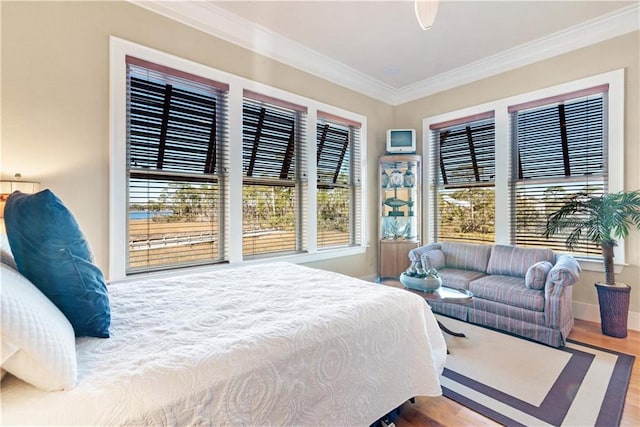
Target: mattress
{"x":269,"y":344}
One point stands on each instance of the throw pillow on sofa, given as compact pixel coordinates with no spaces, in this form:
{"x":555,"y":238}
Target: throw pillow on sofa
{"x":537,"y":275}
{"x":433,"y":259}
{"x":51,"y":251}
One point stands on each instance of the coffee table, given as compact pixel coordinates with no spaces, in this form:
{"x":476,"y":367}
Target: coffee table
{"x":442,"y":294}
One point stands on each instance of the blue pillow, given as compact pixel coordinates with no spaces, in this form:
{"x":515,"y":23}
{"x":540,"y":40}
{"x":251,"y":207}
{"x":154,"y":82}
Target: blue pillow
{"x":50,"y":250}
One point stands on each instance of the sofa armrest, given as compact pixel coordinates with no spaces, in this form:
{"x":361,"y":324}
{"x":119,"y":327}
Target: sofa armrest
{"x":558,"y":293}
{"x":565,"y":272}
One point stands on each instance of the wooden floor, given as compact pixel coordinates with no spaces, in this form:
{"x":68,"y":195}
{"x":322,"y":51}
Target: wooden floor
{"x":440,"y":411}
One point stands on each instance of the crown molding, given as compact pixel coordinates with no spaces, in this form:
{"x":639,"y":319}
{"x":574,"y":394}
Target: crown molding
{"x":227,"y":26}
{"x":606,"y":27}
{"x":232,"y":28}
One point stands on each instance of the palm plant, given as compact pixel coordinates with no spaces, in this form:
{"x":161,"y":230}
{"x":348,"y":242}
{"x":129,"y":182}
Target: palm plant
{"x":605,"y":219}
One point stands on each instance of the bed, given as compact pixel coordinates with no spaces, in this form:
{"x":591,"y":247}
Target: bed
{"x":265,"y":344}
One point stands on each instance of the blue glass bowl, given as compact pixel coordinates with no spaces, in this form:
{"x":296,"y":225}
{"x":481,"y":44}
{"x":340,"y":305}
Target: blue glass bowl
{"x":424,"y":285}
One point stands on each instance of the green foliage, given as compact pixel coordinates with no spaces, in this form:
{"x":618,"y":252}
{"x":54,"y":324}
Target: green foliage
{"x":269,"y":207}
{"x":185,"y":201}
{"x":333,"y":209}
{"x":604,"y":219}
{"x":467,"y":212}
{"x":264,"y":207}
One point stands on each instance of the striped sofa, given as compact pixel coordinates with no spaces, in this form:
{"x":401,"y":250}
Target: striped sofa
{"x":523,"y":291}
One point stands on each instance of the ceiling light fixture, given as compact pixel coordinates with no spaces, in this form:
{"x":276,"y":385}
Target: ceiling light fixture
{"x":426,"y":11}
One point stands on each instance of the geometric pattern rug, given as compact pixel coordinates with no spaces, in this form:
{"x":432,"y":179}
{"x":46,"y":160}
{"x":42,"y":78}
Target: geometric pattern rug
{"x":517,"y":382}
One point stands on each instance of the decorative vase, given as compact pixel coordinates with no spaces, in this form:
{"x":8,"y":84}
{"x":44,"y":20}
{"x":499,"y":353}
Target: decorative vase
{"x":409,"y":178}
{"x":396,"y":179}
{"x":614,"y":308}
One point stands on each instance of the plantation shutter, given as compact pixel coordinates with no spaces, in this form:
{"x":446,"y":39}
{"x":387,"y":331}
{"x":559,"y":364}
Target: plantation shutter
{"x":559,"y":151}
{"x":177,"y":160}
{"x":274,"y":175}
{"x":338,"y":177}
{"x":464,"y":178}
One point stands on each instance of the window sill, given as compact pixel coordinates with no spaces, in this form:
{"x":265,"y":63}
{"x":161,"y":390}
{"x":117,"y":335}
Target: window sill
{"x":597,"y":265}
{"x":297,"y":258}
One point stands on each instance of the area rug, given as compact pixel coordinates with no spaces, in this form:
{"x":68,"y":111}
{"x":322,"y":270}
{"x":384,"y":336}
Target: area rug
{"x":517,"y":382}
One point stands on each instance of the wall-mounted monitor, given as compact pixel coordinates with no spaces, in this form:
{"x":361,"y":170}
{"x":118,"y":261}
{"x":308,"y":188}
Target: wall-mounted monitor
{"x":401,"y":141}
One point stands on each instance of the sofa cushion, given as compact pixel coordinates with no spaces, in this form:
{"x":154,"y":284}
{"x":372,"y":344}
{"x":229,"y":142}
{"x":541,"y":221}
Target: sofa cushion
{"x":466,"y":256}
{"x":537,"y":275}
{"x":515,"y":314}
{"x":433,"y":259}
{"x":508,"y":290}
{"x":458,"y":279}
{"x":513,"y":261}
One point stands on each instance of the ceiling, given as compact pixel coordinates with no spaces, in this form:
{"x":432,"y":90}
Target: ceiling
{"x":377,"y":47}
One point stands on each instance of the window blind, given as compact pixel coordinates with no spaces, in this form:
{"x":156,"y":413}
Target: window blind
{"x":464,"y":158}
{"x":338,"y":172}
{"x":558,"y":151}
{"x":177,"y":157}
{"x":274,"y":177}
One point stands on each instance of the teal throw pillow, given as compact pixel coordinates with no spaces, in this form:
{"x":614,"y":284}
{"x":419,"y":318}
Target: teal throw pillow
{"x":50,"y":250}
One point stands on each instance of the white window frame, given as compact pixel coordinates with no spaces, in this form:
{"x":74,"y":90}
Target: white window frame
{"x":503,"y":147}
{"x":118,"y":213}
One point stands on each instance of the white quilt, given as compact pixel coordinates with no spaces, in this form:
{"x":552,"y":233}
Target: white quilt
{"x":272,"y":344}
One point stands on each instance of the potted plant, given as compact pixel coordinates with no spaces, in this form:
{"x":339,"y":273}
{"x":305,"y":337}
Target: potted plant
{"x":604,"y":219}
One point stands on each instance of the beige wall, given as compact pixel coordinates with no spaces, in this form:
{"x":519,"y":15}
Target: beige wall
{"x":621,"y":52}
{"x":55,"y":105}
{"x":55,"y":101}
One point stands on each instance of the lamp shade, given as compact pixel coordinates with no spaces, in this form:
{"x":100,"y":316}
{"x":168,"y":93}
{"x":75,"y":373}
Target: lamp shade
{"x":8,"y":187}
{"x":426,"y":11}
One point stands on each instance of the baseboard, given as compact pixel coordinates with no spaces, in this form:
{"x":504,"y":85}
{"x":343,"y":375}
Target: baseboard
{"x":591,"y":312}
{"x":370,"y":278}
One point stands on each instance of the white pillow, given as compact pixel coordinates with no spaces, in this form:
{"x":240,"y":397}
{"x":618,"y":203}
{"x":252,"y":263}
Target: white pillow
{"x":6,"y":351}
{"x":38,"y":342}
{"x":6,"y":256}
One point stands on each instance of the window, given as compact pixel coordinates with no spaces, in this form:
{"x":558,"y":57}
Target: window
{"x":559,"y":150}
{"x":464,"y":167}
{"x":338,"y":177}
{"x":274,"y":176}
{"x":175,"y":148}
{"x":210,"y":168}
{"x":548,"y":144}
